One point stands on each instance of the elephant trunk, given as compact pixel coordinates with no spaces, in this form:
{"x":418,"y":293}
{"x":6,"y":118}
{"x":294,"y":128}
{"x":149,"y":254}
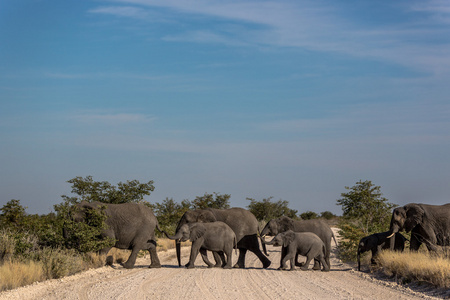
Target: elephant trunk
{"x":394,"y":229}
{"x":358,"y":255}
{"x":263,"y":244}
{"x":268,"y":243}
{"x":178,"y":247}
{"x":175,"y":237}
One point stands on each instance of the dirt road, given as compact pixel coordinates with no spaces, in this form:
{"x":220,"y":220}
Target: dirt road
{"x":172,"y":282}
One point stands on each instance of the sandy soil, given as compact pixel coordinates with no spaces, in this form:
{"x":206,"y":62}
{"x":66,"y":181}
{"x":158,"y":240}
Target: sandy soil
{"x":172,"y":282}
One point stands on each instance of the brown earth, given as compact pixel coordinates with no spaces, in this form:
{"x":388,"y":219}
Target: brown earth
{"x":172,"y":282}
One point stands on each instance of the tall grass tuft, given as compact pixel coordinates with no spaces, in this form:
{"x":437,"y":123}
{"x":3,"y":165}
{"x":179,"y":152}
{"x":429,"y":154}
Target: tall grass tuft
{"x":417,"y":266}
{"x":17,"y":274}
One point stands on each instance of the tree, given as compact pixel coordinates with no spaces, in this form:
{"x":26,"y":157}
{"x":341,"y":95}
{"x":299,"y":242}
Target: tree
{"x":267,"y":210}
{"x":309,"y":215}
{"x":12,"y":213}
{"x":365,"y":211}
{"x":328,"y":215}
{"x":102,"y":191}
{"x":213,"y":200}
{"x":169,"y":213}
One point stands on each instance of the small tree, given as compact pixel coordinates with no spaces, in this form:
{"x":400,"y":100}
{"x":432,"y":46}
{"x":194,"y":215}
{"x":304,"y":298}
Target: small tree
{"x":365,"y":211}
{"x":309,"y":215}
{"x":102,"y":191}
{"x":267,"y":210}
{"x":170,"y":212}
{"x":13,"y":213}
{"x":213,"y":200}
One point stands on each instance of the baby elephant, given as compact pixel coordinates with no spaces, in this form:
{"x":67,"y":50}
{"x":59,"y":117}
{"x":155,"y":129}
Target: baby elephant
{"x":214,"y":236}
{"x":377,"y":241}
{"x":304,"y":243}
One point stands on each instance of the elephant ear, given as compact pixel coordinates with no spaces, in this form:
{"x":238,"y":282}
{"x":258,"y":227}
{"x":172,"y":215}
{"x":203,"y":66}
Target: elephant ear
{"x":197,"y":231}
{"x":206,"y":216}
{"x":414,"y":216}
{"x":285,"y":224}
{"x":288,"y":238}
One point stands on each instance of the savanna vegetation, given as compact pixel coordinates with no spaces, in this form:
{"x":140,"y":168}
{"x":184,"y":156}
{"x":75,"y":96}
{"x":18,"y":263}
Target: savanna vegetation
{"x":32,"y":247}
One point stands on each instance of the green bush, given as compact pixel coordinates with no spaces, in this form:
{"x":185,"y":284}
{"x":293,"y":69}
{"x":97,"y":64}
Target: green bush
{"x":57,"y":263}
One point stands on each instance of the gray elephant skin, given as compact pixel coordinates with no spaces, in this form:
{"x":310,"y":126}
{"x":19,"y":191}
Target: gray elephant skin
{"x":304,"y":243}
{"x":131,"y":225}
{"x":319,"y":227}
{"x":215,"y":236}
{"x":376,"y":242}
{"x":429,"y":224}
{"x":241,"y":221}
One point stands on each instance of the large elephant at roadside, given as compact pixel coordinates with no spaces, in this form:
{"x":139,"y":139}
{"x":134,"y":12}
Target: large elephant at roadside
{"x":429,"y":224}
{"x":131,"y":225}
{"x":241,"y":221}
{"x":319,"y":227}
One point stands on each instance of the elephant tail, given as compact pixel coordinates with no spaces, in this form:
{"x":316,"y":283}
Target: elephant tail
{"x":235,"y":246}
{"x":334,"y":238}
{"x":263,"y":244}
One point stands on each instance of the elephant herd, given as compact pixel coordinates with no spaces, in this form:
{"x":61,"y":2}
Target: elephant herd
{"x":222,"y":230}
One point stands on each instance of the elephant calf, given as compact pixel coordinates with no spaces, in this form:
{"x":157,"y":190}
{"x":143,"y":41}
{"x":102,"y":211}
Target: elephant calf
{"x":214,"y":236}
{"x":304,"y":243}
{"x":377,"y":241}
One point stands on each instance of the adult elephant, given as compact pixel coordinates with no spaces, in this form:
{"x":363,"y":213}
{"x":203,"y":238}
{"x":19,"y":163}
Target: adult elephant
{"x":319,"y":227}
{"x":429,"y":225}
{"x":131,"y":225}
{"x":241,"y":221}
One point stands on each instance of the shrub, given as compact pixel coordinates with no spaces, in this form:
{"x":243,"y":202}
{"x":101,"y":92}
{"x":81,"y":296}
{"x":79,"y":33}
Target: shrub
{"x":57,"y":263}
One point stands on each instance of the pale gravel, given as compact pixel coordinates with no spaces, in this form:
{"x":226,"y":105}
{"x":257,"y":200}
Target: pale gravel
{"x":172,"y":282}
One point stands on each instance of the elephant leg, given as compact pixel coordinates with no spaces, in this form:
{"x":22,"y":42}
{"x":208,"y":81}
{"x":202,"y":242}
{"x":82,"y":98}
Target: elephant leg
{"x":154,"y":260}
{"x":218,"y":259}
{"x":253,"y":245}
{"x":132,"y":259}
{"x":316,"y":264}
{"x":291,"y":257}
{"x":195,"y":248}
{"x":326,"y":267}
{"x":374,"y":254}
{"x":414,"y":243}
{"x":204,"y":254}
{"x":308,"y":261}
{"x":282,"y":261}
{"x":241,"y":260}
{"x":298,"y":264}
{"x":223,"y":259}
{"x":227,"y":263}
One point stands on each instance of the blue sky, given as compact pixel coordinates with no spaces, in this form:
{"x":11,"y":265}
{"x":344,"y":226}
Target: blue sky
{"x":289,"y":99}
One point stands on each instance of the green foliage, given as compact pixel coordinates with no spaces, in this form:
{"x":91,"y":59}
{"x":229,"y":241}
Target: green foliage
{"x":102,"y":191}
{"x":214,"y":200}
{"x":12,"y":214}
{"x":267,"y":210}
{"x":327,"y":215}
{"x":365,"y":211}
{"x":84,"y":236}
{"x":169,"y":213}
{"x":309,"y":215}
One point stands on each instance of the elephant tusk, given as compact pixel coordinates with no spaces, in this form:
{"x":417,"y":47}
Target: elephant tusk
{"x":263,"y":236}
{"x":391,"y":235}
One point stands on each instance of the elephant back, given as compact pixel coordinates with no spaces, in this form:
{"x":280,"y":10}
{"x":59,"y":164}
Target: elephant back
{"x":240,"y":220}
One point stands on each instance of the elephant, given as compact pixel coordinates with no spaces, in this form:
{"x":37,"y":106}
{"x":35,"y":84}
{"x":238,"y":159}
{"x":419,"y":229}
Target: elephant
{"x":241,"y":221}
{"x":214,"y":236}
{"x":304,"y":243}
{"x":319,"y":227}
{"x":429,"y":224}
{"x":377,"y":241}
{"x":131,"y":225}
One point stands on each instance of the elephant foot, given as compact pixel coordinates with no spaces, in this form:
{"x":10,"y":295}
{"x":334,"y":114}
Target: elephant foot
{"x":325,"y":270}
{"x":227,"y":267}
{"x":189,"y":266}
{"x":304,"y":269}
{"x":127,"y":266}
{"x":316,"y":268}
{"x":155,"y":266}
{"x":299,"y":264}
{"x":266,"y":264}
{"x":218,"y":265}
{"x":239,"y":266}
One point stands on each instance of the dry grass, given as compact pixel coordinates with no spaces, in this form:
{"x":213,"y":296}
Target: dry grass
{"x":17,"y":274}
{"x":420,"y":266}
{"x":165,"y":244}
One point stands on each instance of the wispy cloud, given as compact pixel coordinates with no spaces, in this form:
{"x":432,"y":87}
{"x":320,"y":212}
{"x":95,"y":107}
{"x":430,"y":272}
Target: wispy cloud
{"x":314,"y":26}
